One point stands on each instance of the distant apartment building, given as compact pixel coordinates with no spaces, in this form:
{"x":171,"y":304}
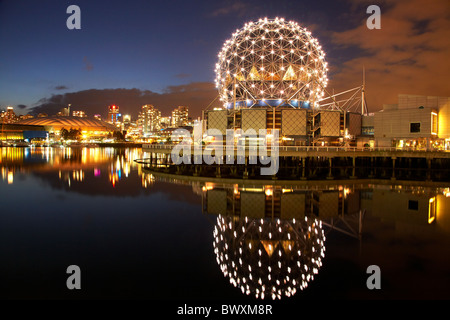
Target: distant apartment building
{"x":26,"y":116}
{"x":149,"y":119}
{"x":64,"y":112}
{"x":180,"y":116}
{"x":9,"y":116}
{"x":165,"y":122}
{"x":126,"y":122}
{"x":79,"y":113}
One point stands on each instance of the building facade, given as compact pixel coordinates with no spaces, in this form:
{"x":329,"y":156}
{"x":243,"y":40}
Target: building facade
{"x":9,"y":115}
{"x":417,"y":122}
{"x":180,"y":116}
{"x":296,"y":126}
{"x":149,"y":119}
{"x":114,"y":116}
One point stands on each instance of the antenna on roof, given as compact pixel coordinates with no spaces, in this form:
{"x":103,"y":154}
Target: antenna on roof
{"x":363,"y":93}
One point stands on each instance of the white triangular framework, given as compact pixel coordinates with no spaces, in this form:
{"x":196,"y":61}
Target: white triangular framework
{"x":352,"y":100}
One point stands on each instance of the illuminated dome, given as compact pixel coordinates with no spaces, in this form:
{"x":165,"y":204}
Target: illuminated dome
{"x":271,"y":63}
{"x":268,"y":258}
{"x":57,"y":123}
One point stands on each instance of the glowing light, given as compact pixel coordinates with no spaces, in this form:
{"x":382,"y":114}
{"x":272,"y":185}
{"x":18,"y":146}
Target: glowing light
{"x":431,"y":209}
{"x":268,"y":71}
{"x":240,"y":251}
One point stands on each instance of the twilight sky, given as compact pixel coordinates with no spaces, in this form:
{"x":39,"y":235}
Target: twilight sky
{"x":163,"y":53}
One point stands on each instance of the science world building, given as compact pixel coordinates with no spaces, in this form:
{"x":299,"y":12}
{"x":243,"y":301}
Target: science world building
{"x":272,"y":74}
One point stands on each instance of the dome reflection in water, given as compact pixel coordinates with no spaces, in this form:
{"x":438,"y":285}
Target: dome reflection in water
{"x":269,"y":257}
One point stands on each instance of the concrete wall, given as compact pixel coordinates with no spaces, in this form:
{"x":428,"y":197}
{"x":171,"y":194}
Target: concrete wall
{"x":397,"y":123}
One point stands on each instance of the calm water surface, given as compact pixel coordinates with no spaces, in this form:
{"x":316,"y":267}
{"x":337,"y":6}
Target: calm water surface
{"x":136,"y":234}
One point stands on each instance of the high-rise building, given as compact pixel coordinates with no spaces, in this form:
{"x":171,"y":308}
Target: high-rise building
{"x":165,"y":122}
{"x":64,"y":112}
{"x":126,"y":121}
{"x":114,"y":114}
{"x":180,"y":116}
{"x":149,"y":119}
{"x":9,"y":116}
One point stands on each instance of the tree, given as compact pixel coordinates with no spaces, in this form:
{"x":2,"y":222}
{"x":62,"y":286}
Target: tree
{"x":72,"y":134}
{"x":75,"y":134}
{"x":64,"y":133}
{"x":118,"y":135}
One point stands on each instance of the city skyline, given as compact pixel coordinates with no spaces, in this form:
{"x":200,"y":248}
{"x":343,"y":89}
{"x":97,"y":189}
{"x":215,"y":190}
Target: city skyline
{"x":129,"y":55}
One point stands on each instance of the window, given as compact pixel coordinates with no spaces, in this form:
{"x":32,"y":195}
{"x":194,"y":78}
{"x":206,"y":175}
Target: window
{"x":413,"y":205}
{"x":434,"y":123}
{"x":414,"y":127}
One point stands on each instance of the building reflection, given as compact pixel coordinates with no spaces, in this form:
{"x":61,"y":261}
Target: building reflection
{"x":338,"y":206}
{"x":266,"y":257}
{"x":269,"y":240}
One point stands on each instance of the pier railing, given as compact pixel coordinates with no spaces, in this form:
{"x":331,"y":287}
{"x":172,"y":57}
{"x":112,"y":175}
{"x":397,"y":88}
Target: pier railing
{"x":298,"y":148}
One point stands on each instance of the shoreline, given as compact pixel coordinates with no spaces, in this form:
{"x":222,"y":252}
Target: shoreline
{"x":315,"y":182}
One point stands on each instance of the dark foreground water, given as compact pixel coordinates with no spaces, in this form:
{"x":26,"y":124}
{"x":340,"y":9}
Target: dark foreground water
{"x":140,"y":235}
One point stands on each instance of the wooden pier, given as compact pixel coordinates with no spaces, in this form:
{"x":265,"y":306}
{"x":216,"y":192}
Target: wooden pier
{"x":305,"y":162}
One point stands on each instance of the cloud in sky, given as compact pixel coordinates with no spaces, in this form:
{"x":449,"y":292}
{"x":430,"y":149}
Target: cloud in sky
{"x":61,"y":87}
{"x":237,"y":8}
{"x":409,"y":54}
{"x":197,"y":96}
{"x":182,"y":75}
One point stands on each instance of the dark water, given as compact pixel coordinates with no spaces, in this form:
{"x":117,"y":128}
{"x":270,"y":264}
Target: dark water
{"x":140,"y":235}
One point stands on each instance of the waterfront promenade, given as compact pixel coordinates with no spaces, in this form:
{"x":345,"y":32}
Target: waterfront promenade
{"x":306,"y":162}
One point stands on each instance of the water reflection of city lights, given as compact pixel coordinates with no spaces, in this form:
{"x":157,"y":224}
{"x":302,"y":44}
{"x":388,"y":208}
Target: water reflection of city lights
{"x":147,"y":180}
{"x":10,"y":177}
{"x":446,"y":192}
{"x":71,"y":164}
{"x":267,"y":257}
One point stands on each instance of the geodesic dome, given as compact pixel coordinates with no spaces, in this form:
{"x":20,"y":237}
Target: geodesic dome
{"x":271,"y":62}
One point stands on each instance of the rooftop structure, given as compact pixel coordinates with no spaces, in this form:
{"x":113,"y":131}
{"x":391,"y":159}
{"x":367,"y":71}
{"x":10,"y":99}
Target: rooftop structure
{"x":89,"y":126}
